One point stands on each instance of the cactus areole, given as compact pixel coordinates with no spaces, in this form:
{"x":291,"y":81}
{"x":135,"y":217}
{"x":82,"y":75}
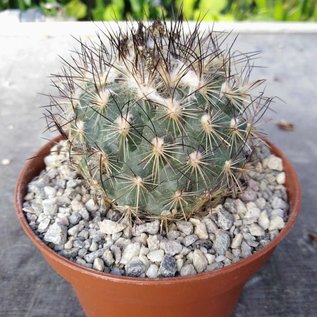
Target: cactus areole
{"x":160,"y":121}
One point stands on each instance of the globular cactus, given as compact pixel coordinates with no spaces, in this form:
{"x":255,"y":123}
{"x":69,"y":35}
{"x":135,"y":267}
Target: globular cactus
{"x":160,"y":120}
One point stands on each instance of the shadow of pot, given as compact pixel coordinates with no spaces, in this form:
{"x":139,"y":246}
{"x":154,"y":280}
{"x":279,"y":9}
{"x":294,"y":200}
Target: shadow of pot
{"x":207,"y":294}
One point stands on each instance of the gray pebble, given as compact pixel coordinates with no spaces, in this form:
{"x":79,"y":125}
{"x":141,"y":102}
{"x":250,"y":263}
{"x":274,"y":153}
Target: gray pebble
{"x":152,"y":271}
{"x":108,"y":258}
{"x":246,"y":250}
{"x":168,"y":267}
{"x":98,"y":265}
{"x":111,"y":227}
{"x":135,"y":267}
{"x":50,"y":206}
{"x":222,"y":242}
{"x":132,"y":250}
{"x":74,"y":218}
{"x":90,"y":257}
{"x":171,"y":247}
{"x":199,"y":261}
{"x":155,"y":255}
{"x":189,"y":240}
{"x":187,"y":269}
{"x":185,"y":226}
{"x":148,"y":227}
{"x":225,"y":219}
{"x":248,"y":195}
{"x":56,"y":234}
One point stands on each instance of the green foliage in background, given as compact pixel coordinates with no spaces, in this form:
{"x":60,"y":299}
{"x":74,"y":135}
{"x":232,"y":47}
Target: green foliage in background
{"x":207,"y":10}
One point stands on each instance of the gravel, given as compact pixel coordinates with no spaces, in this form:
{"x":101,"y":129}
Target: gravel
{"x":73,"y":221}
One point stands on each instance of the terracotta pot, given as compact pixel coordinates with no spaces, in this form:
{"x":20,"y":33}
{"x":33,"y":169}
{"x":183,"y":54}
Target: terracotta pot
{"x":206,"y":294}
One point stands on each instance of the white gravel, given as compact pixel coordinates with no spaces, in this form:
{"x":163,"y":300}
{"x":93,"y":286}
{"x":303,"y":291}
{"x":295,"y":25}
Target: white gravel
{"x":75,"y":223}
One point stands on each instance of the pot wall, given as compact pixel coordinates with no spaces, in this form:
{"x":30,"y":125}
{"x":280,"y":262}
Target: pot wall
{"x":207,"y":294}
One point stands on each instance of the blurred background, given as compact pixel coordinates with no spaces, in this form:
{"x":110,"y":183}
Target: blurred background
{"x":214,"y":10}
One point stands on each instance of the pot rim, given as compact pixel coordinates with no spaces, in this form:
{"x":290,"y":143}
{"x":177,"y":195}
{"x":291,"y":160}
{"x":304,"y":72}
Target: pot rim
{"x":292,"y":180}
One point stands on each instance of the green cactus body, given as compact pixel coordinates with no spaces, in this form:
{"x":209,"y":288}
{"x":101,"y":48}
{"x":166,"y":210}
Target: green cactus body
{"x":159,"y":119}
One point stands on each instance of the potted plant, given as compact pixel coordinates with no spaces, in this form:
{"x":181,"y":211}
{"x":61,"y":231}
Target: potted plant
{"x":160,"y":197}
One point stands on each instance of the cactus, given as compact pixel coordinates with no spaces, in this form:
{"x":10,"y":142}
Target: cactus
{"x":159,"y":121}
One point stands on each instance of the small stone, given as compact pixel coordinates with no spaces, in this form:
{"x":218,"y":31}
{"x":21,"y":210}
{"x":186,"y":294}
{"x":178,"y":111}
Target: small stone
{"x":252,"y":184}
{"x":185,"y":251}
{"x":43,"y":225}
{"x":74,"y":230}
{"x":199,"y":261}
{"x":201,"y":230}
{"x":76,"y":205}
{"x":110,"y":227}
{"x":230,"y":205}
{"x":189,"y":240}
{"x":93,"y":247}
{"x":250,"y":239}
{"x":210,"y":258}
{"x":171,"y":247}
{"x":203,"y":244}
{"x":280,"y":178}
{"x":108,"y":258}
{"x":116,"y":271}
{"x":49,"y":191}
{"x":256,"y":230}
{"x":222,"y":242}
{"x":98,"y":265}
{"x":56,"y":234}
{"x":210,"y":225}
{"x":187,"y":269}
{"x":84,"y":214}
{"x":135,"y":267}
{"x":83,"y":234}
{"x":252,"y":214}
{"x":113,"y":215}
{"x":117,"y":253}
{"x":277,"y":212}
{"x":90,"y":257}
{"x":91,"y":205}
{"x":214,"y":266}
{"x":240,"y":207}
{"x":69,"y":244}
{"x":185,"y":226}
{"x":168,"y":267}
{"x":220,"y":258}
{"x":156,"y":255}
{"x":225,"y":219}
{"x":148,"y":227}
{"x":153,"y":243}
{"x":179,"y":264}
{"x":236,"y":241}
{"x":246,"y":250}
{"x":50,"y":206}
{"x":274,"y":163}
{"x":248,"y":195}
{"x":263,"y":220}
{"x":131,"y":250}
{"x":144,"y":250}
{"x":152,"y":271}
{"x":260,"y":203}
{"x":279,"y":203}
{"x":276,"y":223}
{"x":173,"y":234}
{"x":74,"y":218}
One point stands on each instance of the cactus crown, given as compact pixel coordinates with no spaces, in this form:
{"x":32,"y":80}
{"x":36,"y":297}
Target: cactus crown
{"x":160,"y":121}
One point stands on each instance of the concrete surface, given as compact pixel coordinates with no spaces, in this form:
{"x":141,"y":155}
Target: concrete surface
{"x":286,"y":286}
